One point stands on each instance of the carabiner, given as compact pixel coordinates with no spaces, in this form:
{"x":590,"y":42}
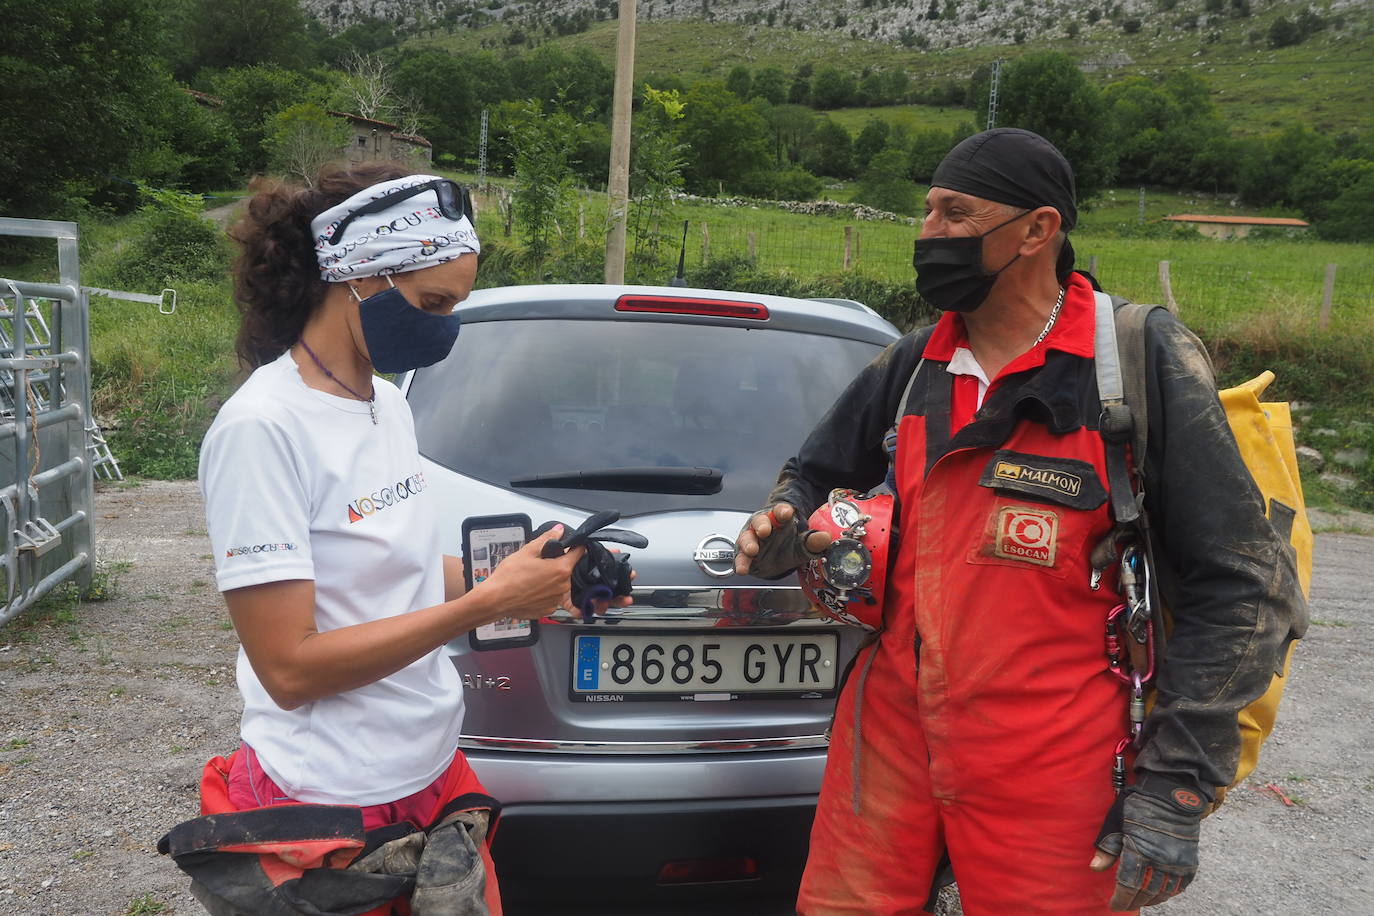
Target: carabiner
{"x":1135,"y":581}
{"x":1119,"y":765}
{"x":1137,"y":705}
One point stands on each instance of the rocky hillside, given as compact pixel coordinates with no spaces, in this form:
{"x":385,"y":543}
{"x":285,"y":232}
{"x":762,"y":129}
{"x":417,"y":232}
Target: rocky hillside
{"x":923,"y":24}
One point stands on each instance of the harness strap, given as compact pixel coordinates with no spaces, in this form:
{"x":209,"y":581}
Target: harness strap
{"x":1117,"y":424}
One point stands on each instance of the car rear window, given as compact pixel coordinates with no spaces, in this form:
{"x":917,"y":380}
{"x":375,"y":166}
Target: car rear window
{"x":525,"y":397}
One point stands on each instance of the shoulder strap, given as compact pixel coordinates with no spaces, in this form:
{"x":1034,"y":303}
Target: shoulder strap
{"x":1130,"y":335}
{"x":922,"y":338}
{"x":1116,"y":423}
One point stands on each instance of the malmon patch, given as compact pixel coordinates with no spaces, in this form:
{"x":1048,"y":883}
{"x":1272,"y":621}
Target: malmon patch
{"x":1063,"y":481}
{"x":1026,"y":534}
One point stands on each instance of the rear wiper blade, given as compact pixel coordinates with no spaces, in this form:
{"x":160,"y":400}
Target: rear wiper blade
{"x":687,"y":481}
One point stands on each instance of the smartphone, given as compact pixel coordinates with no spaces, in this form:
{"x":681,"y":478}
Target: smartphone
{"x":487,"y":540}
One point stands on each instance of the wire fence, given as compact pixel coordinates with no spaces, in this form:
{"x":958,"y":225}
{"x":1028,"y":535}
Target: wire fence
{"x":1212,"y":282}
{"x":1215,"y":284}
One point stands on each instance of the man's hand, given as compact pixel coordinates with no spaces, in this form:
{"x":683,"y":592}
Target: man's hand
{"x":1151,"y":834}
{"x":772,"y":544}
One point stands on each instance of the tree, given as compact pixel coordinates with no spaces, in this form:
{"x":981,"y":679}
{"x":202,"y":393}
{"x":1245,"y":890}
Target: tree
{"x":727,"y":138}
{"x":303,"y":139}
{"x":928,"y":148}
{"x":739,"y":81}
{"x":246,"y":33}
{"x":183,"y":143}
{"x":1045,"y":92}
{"x":370,"y":87}
{"x":885,"y":184}
{"x":1347,"y":218}
{"x":1314,"y":190}
{"x":832,"y":89}
{"x":656,"y":162}
{"x":831,"y":151}
{"x":870,"y":142}
{"x":770,"y":83}
{"x":1268,"y":168}
{"x":1283,"y":32}
{"x":791,"y":127}
{"x":76,"y":77}
{"x":253,"y":96}
{"x":543,"y":176}
{"x":448,"y":91}
{"x":872,"y":89}
{"x":575,"y":82}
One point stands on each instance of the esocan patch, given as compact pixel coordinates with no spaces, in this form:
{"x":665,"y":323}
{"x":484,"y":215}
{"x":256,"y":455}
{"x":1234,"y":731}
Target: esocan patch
{"x":1030,"y":535}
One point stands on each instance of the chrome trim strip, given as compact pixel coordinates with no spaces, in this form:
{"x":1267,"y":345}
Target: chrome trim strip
{"x":693,"y":605}
{"x":730,"y":746}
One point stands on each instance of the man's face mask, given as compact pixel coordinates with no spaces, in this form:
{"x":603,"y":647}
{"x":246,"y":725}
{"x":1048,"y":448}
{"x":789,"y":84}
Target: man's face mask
{"x":400,"y":336}
{"x":950,"y":273}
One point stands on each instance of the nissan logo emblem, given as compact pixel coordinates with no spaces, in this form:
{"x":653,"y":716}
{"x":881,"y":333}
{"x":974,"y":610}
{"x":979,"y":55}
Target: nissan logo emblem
{"x":716,"y":556}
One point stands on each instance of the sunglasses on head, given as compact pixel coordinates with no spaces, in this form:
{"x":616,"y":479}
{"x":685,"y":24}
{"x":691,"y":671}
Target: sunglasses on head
{"x":454,"y":202}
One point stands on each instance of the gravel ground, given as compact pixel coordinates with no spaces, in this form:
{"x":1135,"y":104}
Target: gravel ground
{"x":109,"y":709}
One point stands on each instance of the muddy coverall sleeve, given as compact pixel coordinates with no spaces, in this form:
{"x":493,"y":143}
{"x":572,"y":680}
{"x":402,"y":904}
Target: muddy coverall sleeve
{"x":845,"y":449}
{"x":1227,"y":577}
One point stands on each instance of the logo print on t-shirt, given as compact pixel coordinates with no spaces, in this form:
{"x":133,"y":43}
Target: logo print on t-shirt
{"x":386,"y":497}
{"x":1026,"y":534}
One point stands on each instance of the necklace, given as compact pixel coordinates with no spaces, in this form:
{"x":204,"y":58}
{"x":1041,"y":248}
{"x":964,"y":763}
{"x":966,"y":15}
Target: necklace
{"x":372,"y":398}
{"x":1054,"y":316}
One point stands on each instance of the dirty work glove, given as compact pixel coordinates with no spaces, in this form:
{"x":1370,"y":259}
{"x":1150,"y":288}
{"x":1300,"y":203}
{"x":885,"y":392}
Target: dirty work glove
{"x":784,"y":550}
{"x":1153,"y":829}
{"x":600,"y":574}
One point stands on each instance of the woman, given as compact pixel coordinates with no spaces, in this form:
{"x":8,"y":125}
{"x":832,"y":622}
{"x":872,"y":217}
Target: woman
{"x":323,"y":525}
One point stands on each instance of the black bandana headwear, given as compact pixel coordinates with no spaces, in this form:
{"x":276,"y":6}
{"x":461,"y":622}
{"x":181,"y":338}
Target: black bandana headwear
{"x":1018,"y":168}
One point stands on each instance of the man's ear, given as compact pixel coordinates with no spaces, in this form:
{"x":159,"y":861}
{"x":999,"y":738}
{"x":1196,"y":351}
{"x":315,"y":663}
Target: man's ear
{"x":1042,"y":227}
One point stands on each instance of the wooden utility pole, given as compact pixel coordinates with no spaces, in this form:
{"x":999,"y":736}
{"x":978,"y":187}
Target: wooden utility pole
{"x":618,"y":183}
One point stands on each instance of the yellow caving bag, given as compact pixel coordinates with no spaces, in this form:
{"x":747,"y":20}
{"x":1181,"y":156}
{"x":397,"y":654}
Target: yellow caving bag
{"x":1264,"y":433}
{"x":1264,"y":436}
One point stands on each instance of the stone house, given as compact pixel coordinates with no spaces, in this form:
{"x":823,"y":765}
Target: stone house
{"x":371,"y":140}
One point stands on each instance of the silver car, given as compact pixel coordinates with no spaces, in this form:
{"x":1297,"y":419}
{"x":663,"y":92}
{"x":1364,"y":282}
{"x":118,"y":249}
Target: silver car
{"x":664,"y":758}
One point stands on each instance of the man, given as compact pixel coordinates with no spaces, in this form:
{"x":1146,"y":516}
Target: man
{"x":980,"y":723}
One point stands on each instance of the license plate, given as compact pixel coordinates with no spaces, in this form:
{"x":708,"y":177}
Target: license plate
{"x":703,"y":666}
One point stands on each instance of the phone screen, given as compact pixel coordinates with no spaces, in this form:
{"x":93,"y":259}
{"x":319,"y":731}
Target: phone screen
{"x":486,"y":543}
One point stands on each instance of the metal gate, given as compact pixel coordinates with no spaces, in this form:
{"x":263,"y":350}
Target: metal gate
{"x":50,"y":447}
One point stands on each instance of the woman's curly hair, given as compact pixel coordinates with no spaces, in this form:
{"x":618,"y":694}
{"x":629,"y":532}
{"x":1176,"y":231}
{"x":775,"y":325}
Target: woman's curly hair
{"x":277,"y":284}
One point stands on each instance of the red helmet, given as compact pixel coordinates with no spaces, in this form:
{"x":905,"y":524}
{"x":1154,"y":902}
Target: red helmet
{"x":848,"y":581}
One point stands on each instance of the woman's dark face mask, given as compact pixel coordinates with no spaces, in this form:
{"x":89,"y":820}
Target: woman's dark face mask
{"x":949,"y":271}
{"x":401,"y":337}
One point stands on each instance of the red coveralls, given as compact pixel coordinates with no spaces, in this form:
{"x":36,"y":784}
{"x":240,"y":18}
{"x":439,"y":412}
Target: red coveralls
{"x":983,"y":721}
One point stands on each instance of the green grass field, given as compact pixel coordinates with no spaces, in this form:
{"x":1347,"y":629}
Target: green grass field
{"x":1323,"y":83}
{"x":913,"y":117}
{"x":1220,"y":286}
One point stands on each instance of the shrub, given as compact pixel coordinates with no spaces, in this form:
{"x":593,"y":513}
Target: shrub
{"x":156,"y":445}
{"x":168,"y":241}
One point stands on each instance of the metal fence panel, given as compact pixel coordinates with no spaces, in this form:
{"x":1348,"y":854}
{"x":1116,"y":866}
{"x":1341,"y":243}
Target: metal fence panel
{"x":46,"y":442}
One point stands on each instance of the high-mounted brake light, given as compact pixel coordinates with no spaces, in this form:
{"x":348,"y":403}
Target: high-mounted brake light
{"x":708,"y":871}
{"x":687,"y":305}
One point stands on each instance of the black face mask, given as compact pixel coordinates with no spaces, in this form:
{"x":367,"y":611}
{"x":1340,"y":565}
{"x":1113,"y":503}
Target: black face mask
{"x":950,"y":273}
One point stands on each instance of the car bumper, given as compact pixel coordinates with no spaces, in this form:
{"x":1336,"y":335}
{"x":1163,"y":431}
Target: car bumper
{"x":592,"y":834}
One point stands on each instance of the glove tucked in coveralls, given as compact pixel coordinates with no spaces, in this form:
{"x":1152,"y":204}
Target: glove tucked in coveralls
{"x":983,"y":722}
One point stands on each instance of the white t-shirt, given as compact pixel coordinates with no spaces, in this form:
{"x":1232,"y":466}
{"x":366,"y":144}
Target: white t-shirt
{"x":300,"y":484}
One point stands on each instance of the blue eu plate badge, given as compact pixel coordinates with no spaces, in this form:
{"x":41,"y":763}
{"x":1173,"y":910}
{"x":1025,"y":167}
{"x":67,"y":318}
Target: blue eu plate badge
{"x":588,"y":662}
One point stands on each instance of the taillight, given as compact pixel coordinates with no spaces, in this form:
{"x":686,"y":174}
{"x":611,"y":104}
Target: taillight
{"x":686,"y":305}
{"x":707,"y":871}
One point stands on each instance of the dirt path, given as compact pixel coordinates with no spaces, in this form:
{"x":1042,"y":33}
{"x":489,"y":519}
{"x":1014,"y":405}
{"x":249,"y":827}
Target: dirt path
{"x":108,"y":710}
